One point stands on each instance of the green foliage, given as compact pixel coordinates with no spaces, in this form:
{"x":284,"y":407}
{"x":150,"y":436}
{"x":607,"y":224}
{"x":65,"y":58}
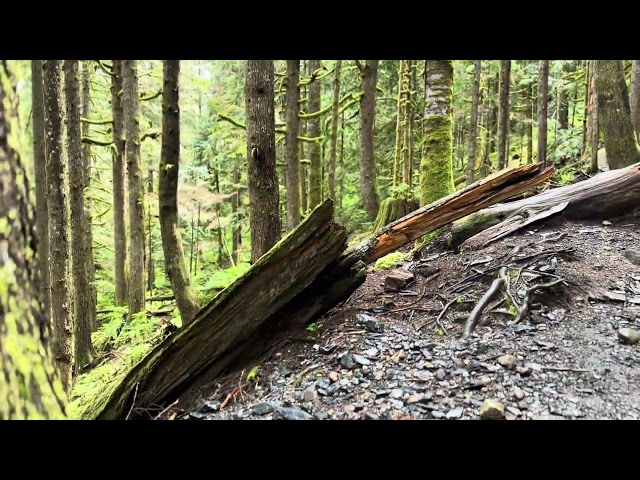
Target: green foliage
{"x":389,"y":261}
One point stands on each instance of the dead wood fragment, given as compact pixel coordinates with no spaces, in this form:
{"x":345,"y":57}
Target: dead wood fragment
{"x":476,"y":313}
{"x":524,"y":310}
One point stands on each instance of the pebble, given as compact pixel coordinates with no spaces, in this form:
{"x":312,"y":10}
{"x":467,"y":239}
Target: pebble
{"x":310,"y":395}
{"x":628,"y":336}
{"x":441,"y":374}
{"x":396,"y":393}
{"x":454,"y":413}
{"x":263,"y":408}
{"x":438,"y":414}
{"x":492,"y":409}
{"x":518,"y":393}
{"x":415,"y":398}
{"x":507,"y":361}
{"x":289,"y":413}
{"x":334,"y":377}
{"x":347,"y":361}
{"x":361,"y":360}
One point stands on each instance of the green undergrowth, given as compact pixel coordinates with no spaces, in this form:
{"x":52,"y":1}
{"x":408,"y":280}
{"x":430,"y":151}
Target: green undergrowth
{"x":388,"y":261}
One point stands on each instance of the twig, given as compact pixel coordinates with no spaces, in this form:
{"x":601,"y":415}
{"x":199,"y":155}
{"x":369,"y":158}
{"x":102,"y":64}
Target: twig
{"x":226,"y":400}
{"x":565,"y":369}
{"x":135,"y":394}
{"x":157,"y":417}
{"x":507,"y":288}
{"x":444,"y":310}
{"x":524,"y":310}
{"x":409,"y":305}
{"x":476,"y":313}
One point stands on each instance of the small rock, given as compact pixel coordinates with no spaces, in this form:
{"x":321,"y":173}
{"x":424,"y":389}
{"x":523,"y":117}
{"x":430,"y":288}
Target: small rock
{"x":398,"y":279}
{"x":198,"y":415}
{"x":515,"y":411}
{"x":628,"y":336}
{"x":507,"y":361}
{"x":547,"y":417}
{"x":510,"y":416}
{"x":347,"y":361}
{"x":518,"y":393}
{"x":371,"y":352}
{"x":370,"y":323}
{"x":534,"y":366}
{"x":333,"y":389}
{"x":262,"y":408}
{"x":371,"y":416}
{"x":361,"y":360}
{"x":523,"y":371}
{"x":396,"y":393}
{"x":349,"y":409}
{"x":397,"y":403}
{"x":289,"y":413}
{"x":441,"y":374}
{"x":310,"y":395}
{"x":415,"y":398}
{"x":438,"y":414}
{"x":210,"y":407}
{"x":334,"y":377}
{"x":633,"y":255}
{"x":491,"y":409}
{"x":454,"y":413}
{"x":322,"y":415}
{"x":606,"y":222}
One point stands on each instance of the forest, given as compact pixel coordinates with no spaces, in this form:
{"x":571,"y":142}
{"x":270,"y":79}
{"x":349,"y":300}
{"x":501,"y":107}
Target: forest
{"x":287,"y":239}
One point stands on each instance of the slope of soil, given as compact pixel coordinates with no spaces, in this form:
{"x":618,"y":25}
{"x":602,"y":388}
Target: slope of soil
{"x":567,"y":359}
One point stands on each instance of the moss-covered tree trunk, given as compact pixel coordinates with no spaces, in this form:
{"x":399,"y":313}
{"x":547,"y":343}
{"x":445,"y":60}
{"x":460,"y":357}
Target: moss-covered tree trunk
{"x":168,"y":195}
{"x":399,"y":131}
{"x":88,"y":204}
{"x":615,"y":114}
{"x":436,"y":168}
{"x":473,"y":128}
{"x":291,"y":143}
{"x":593,"y":129}
{"x":528,"y":122}
{"x":131,"y":113}
{"x":29,"y":384}
{"x":58,"y":224}
{"x":491,"y":121}
{"x":40,"y":169}
{"x":335,"y":111}
{"x":264,"y":218}
{"x":119,"y":178}
{"x":407,"y":138}
{"x":543,"y":99}
{"x":235,"y":202}
{"x":315,"y":169}
{"x":83,"y":305}
{"x":503,"y":113}
{"x":634,"y":97}
{"x":562,"y":104}
{"x":368,"y":182}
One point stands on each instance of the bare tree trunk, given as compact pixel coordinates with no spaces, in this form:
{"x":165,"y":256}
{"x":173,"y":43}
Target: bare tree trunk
{"x":543,"y":94}
{"x":503,"y":113}
{"x":291,"y":143}
{"x":235,"y":202}
{"x":315,"y":170}
{"x":368,"y":182}
{"x":168,"y":195}
{"x":119,"y":177}
{"x":594,"y":130}
{"x":29,"y":386}
{"x":40,"y":168}
{"x":335,"y":110}
{"x":83,"y":296}
{"x":473,"y":130}
{"x":264,"y":217}
{"x":131,"y":112}
{"x":151,"y":271}
{"x":58,"y":224}
{"x":634,"y":97}
{"x":615,"y":114}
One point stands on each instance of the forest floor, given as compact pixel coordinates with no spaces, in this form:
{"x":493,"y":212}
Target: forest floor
{"x":565,"y":361}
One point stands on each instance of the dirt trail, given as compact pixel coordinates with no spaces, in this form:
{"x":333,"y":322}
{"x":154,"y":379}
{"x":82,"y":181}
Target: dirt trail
{"x":563,"y":362}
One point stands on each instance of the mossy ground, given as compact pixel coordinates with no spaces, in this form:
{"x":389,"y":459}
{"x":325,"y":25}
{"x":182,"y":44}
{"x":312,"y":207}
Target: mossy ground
{"x":389,"y":261}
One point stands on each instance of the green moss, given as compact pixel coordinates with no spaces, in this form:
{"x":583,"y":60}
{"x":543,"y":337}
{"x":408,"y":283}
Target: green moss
{"x":436,"y":168}
{"x":388,"y":261}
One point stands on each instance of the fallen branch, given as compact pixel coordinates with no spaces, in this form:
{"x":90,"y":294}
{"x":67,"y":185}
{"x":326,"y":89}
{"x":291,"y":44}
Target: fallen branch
{"x":476,"y":313}
{"x":524,"y":310}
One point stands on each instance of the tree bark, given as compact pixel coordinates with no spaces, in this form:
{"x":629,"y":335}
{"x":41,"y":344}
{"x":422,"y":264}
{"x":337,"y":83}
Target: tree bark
{"x":473,"y":129}
{"x":88,"y":206}
{"x":58,"y":224}
{"x":563,"y":97}
{"x":335,"y":111}
{"x":315,"y":170}
{"x":83,"y":305}
{"x":543,"y":98}
{"x":503,"y":114}
{"x":40,"y":168}
{"x":528,"y":126}
{"x":235,"y":202}
{"x":168,"y":195}
{"x":291,"y":143}
{"x":594,"y":127}
{"x":131,"y":113}
{"x":264,"y":217}
{"x":615,"y":114}
{"x":119,"y":178}
{"x":634,"y":97}
{"x":437,"y":158}
{"x":368,"y":182}
{"x":29,"y":384}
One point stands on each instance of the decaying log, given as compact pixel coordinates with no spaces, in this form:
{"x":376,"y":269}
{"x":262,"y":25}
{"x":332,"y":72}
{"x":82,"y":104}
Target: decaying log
{"x":605,"y":195}
{"x":211,"y":340}
{"x":453,"y":207}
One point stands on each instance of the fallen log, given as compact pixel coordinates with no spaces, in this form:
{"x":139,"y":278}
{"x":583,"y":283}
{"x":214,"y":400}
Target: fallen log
{"x":605,"y":195}
{"x":300,"y":279}
{"x":460,"y":204}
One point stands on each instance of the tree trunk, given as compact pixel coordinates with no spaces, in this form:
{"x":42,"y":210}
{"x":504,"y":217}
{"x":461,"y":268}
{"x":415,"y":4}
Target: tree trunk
{"x":235,"y":202}
{"x":119,"y":177}
{"x":615,"y":114}
{"x":29,"y":385}
{"x":368,"y":183}
{"x":131,"y":113}
{"x":473,"y":130}
{"x":407,"y":137}
{"x":83,"y":305}
{"x":563,"y":97}
{"x":291,"y":144}
{"x":151,"y":270}
{"x":399,"y":120}
{"x":437,"y":158}
{"x":40,"y":168}
{"x":594,"y":127}
{"x":168,"y":195}
{"x":58,"y":224}
{"x":634,"y":97}
{"x":503,"y":114}
{"x":605,"y":195}
{"x":88,"y":205}
{"x":264,"y":218}
{"x":315,"y":170}
{"x":543,"y":98}
{"x":528,"y":126}
{"x":335,"y":111}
